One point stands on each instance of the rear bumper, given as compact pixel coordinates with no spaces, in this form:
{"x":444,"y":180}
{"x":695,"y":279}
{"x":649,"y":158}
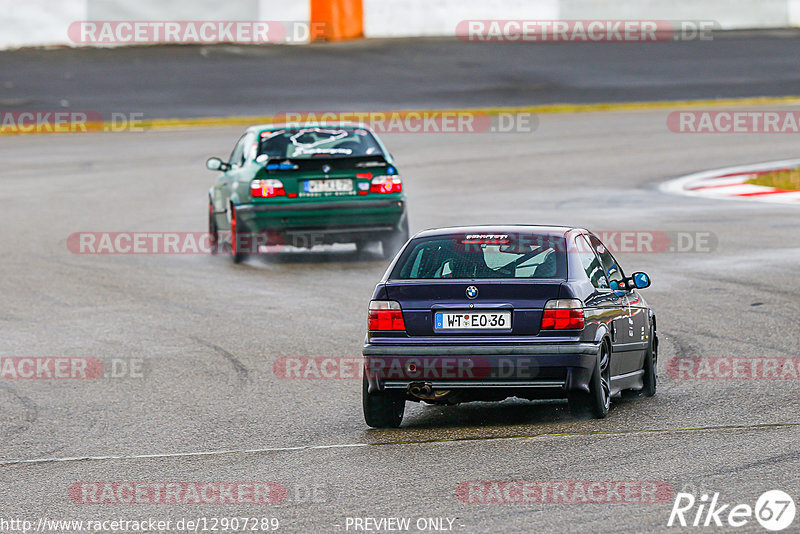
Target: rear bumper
{"x":552,"y":368}
{"x":324,"y":221}
{"x":314,"y":206}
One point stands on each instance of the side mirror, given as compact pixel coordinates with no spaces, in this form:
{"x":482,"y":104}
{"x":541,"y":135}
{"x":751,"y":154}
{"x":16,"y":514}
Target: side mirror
{"x":640,"y":280}
{"x":216,"y":164}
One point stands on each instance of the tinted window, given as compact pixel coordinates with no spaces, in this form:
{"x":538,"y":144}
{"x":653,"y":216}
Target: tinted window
{"x":610,"y":265}
{"x":314,"y":142}
{"x":483,"y":256}
{"x":590,"y":263}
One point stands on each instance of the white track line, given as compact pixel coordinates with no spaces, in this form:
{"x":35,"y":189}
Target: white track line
{"x":782,"y":198}
{"x":619,"y":432}
{"x":184,"y":454}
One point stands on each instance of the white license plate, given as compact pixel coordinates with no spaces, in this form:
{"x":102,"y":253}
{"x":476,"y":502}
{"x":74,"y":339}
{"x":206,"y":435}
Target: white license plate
{"x":328,"y":186}
{"x":473,"y":321}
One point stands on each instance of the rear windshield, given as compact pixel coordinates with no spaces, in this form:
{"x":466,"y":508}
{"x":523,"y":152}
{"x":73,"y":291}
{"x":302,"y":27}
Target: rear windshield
{"x":318,"y":142}
{"x":479,"y":256}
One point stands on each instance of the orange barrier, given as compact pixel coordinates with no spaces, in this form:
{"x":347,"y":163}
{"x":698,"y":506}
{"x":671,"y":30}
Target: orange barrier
{"x":337,"y":19}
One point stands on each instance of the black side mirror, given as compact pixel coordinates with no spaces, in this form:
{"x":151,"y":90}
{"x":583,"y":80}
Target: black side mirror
{"x":636,"y":281}
{"x":216,"y":164}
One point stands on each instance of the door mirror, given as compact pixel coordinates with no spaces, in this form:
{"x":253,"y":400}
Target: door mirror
{"x":640,"y":280}
{"x":216,"y":164}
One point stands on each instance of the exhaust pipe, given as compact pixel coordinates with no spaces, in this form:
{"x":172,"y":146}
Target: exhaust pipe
{"x":424,"y":391}
{"x":421,"y":390}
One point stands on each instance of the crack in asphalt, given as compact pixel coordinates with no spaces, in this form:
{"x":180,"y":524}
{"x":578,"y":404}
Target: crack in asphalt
{"x":638,"y":431}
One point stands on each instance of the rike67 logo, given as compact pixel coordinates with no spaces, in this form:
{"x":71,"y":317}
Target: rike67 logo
{"x":774,"y":510}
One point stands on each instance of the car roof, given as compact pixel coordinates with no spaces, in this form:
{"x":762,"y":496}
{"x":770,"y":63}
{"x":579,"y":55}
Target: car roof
{"x":310,"y":124}
{"x":560,"y":231}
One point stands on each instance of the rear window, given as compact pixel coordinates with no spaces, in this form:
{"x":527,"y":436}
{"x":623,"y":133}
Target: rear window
{"x":481,"y":256}
{"x":318,"y":142}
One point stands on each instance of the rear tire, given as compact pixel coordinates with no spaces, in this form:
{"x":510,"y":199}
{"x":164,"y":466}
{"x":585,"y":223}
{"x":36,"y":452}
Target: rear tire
{"x":395,"y":241}
{"x":236,"y":243}
{"x":362,"y":246}
{"x":597,"y":402}
{"x":650,"y":378}
{"x":381,"y":411}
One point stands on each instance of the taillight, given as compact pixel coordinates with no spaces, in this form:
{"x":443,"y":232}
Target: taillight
{"x":385,"y":315}
{"x":386,"y":184}
{"x":267,"y":188}
{"x":563,"y":314}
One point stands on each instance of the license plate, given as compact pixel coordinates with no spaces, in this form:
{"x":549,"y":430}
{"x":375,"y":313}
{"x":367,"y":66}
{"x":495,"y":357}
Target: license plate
{"x":328,"y":186}
{"x":473,"y":321}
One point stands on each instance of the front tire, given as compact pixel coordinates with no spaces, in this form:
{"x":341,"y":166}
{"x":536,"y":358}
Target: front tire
{"x":213,"y":231}
{"x":597,"y":402}
{"x":381,"y":411}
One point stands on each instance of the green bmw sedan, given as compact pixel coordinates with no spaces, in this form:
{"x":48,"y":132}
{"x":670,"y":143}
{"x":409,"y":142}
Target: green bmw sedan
{"x":306,"y":185}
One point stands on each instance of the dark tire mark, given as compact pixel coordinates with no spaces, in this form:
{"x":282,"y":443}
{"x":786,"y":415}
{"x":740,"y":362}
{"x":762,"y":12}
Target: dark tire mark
{"x":241,"y":371}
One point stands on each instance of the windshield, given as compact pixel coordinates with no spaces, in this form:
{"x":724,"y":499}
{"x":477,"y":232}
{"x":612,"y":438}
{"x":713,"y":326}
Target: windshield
{"x":318,"y":142}
{"x":481,"y":256}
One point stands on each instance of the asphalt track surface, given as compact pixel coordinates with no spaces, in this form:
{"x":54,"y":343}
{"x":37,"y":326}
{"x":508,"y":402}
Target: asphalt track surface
{"x":209,"y":333}
{"x":196,"y":81}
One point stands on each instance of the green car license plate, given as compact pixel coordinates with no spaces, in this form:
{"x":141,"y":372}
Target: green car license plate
{"x":328,"y":186}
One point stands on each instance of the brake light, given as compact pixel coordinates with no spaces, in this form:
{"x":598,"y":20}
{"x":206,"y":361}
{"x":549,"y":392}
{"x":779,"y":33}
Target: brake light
{"x":563,"y":314}
{"x":267,"y":188}
{"x":385,"y":315}
{"x":386,"y":184}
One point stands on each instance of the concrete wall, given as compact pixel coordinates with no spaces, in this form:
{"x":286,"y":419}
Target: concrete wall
{"x":794,"y":13}
{"x":175,"y":10}
{"x":410,"y":18}
{"x":45,"y":22}
{"x":402,"y":18}
{"x":731,"y":14}
{"x":38,"y":22}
